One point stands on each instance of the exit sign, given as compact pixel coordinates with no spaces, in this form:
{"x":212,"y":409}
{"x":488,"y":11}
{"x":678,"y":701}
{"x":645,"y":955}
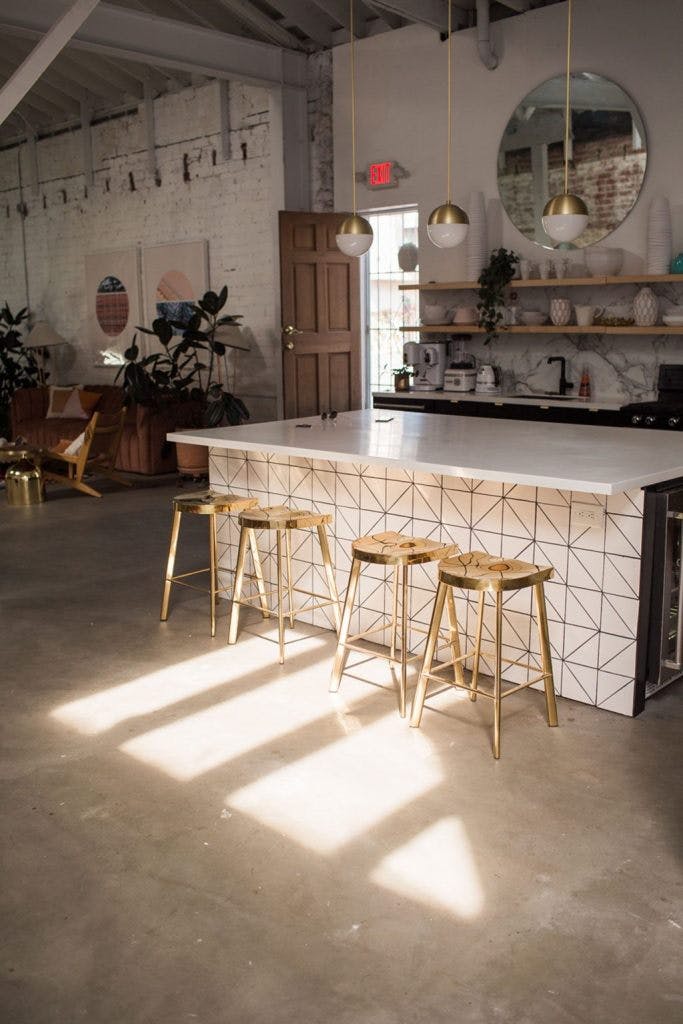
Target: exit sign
{"x":381,"y":175}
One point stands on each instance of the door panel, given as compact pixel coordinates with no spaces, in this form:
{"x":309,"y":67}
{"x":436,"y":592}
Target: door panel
{"x":321,"y":307}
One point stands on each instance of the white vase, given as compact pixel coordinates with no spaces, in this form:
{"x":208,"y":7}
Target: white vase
{"x":477,"y":239}
{"x":560,"y":312}
{"x":659,"y":241}
{"x":407,"y":257}
{"x":645,"y":308}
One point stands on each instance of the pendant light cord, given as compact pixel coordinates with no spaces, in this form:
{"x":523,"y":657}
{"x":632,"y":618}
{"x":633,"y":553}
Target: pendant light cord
{"x":449,"y":133}
{"x":353,"y":109}
{"x":567,"y":98}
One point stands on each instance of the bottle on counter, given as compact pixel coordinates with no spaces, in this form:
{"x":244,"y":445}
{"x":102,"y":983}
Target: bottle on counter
{"x":585,"y":385}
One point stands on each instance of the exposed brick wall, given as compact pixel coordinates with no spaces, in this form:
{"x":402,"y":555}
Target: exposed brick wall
{"x":230,"y":203}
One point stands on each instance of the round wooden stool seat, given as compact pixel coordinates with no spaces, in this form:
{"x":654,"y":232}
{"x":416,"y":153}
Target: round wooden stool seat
{"x":476,"y":570}
{"x":281,"y":517}
{"x":392,"y":548}
{"x":209,"y":503}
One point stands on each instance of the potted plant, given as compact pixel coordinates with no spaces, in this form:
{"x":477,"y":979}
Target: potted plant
{"x":18,"y":367}
{"x":402,"y":377}
{"x":493,"y":280}
{"x":191,"y":369}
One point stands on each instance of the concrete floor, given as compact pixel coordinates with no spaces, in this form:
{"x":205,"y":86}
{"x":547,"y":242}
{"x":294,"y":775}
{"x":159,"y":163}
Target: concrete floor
{"x":194,"y":834}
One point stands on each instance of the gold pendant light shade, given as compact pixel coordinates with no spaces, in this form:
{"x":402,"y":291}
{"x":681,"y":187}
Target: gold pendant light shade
{"x":355,"y":234}
{"x":565,"y":216}
{"x":447,"y":225}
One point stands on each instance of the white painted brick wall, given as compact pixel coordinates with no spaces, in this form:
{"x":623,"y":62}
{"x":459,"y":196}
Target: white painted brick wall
{"x":232,"y":204}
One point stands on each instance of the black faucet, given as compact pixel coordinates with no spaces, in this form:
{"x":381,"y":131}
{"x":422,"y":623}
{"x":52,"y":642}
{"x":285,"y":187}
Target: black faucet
{"x":565,"y":385}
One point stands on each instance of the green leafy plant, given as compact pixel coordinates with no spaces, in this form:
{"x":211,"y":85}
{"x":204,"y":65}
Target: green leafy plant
{"x":18,"y":367}
{"x":493,"y":280}
{"x":190,"y":366}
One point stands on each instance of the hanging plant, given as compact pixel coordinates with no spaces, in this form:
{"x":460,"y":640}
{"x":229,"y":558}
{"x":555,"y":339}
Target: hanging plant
{"x":493,"y":280}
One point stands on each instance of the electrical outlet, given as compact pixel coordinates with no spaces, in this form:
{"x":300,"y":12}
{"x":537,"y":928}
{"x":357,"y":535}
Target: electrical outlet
{"x":587,"y":515}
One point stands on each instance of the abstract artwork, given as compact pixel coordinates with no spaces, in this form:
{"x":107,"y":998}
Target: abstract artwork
{"x":174,"y":277}
{"x":113,"y":299}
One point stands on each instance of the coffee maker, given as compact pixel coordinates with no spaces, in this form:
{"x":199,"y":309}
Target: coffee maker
{"x":428,"y":362}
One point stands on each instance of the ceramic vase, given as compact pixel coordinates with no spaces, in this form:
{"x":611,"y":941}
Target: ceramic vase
{"x":560,"y":312}
{"x":477,"y":239}
{"x":407,"y":257}
{"x":659,"y":242}
{"x":645,"y":308}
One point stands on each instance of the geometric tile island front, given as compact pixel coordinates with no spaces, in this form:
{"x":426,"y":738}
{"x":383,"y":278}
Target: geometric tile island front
{"x":592,"y":599}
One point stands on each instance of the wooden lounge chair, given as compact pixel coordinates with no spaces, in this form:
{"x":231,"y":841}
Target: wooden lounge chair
{"x":97,"y":455}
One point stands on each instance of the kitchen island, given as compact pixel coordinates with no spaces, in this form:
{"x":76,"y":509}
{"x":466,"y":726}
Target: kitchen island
{"x":563,"y":495}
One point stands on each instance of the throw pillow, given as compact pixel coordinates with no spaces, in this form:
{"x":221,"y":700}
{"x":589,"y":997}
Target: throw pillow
{"x":71,"y":403}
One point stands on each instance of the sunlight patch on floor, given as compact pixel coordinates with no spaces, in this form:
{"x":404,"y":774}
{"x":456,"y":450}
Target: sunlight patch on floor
{"x":347,"y":788}
{"x":199,"y":742}
{"x":167,"y":686}
{"x":436,"y":867}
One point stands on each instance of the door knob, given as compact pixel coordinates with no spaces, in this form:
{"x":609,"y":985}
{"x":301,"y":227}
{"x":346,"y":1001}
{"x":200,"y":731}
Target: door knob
{"x":290,"y":329}
{"x":289,"y":344}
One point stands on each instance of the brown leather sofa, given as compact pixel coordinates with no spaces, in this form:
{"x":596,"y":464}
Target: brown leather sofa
{"x":143,"y":448}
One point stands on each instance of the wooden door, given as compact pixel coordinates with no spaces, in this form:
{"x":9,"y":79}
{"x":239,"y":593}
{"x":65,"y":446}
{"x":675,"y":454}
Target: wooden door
{"x":321,"y":351}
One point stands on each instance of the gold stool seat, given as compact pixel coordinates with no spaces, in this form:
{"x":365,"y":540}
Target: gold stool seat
{"x":204,"y":503}
{"x":400,"y":551}
{"x":283,"y":520}
{"x":476,"y":570}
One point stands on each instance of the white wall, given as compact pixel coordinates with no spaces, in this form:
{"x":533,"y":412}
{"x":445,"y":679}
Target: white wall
{"x":401,"y":90}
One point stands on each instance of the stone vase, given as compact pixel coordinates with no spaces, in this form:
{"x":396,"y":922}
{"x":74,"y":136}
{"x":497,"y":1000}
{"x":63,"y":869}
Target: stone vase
{"x":645,"y":308}
{"x":477,"y":236}
{"x":408,"y":257}
{"x":659,"y":240}
{"x":560,"y":312}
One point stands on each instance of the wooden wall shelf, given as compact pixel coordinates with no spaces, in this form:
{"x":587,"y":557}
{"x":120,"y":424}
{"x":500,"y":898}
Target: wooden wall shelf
{"x":544,"y":329}
{"x":550,"y":282}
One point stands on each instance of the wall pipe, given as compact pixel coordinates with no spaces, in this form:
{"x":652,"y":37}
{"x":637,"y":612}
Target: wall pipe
{"x":486,"y":54}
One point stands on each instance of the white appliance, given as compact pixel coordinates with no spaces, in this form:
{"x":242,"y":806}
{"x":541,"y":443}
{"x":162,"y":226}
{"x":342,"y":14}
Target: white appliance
{"x":488,"y":380}
{"x":428,"y":362}
{"x":461,"y":374}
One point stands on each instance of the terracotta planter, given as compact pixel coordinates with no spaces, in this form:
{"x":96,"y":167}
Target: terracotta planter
{"x":193,"y":459}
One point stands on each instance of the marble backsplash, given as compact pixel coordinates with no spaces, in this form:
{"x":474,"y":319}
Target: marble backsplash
{"x":620,"y":366}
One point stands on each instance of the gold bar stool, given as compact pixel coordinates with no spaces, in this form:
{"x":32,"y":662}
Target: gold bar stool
{"x":207,"y":503}
{"x":476,"y":570}
{"x":283,"y":520}
{"x":400,"y":551}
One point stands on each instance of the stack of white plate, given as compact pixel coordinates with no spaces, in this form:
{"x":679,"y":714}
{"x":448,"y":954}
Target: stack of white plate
{"x":674,"y":317}
{"x":477,"y":241}
{"x":659,"y":241}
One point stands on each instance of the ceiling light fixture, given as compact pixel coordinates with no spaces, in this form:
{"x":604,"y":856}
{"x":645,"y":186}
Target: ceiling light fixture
{"x":565,"y":216}
{"x":355,"y":234}
{"x":448,"y":224}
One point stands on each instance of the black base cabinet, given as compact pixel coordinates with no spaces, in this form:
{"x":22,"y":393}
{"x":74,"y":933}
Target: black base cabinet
{"x":499,"y":410}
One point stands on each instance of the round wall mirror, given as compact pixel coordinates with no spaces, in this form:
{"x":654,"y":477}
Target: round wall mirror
{"x":608,"y":155}
{"x":111,"y":306}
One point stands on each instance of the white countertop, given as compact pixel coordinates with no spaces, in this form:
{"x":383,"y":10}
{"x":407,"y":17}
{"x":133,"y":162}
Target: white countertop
{"x":609,"y":402}
{"x":599,"y":460}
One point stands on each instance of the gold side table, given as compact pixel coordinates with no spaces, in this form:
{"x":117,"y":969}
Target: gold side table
{"x":476,"y":570}
{"x":24,"y":483}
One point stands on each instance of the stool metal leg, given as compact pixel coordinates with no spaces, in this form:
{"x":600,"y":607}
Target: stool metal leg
{"x":477,"y":647}
{"x":342,"y":652}
{"x":258,"y":573}
{"x":173,"y":545}
{"x":280,"y":609}
{"x":454,"y":637}
{"x":394,"y":612}
{"x":546,"y":658}
{"x":237,"y":589}
{"x":290,"y":597}
{"x":497,"y":675}
{"x":213,"y":571}
{"x":430,"y":647}
{"x":329,"y":572}
{"x":404,"y":639}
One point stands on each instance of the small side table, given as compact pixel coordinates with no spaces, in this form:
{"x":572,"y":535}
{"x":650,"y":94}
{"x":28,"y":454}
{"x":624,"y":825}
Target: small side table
{"x":24,"y":482}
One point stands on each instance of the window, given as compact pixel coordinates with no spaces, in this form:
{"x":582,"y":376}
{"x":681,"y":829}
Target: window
{"x":388,"y":309}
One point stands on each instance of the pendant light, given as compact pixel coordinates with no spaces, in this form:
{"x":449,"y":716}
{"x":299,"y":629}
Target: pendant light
{"x":448,"y":224}
{"x":565,"y":216}
{"x":355,"y":233}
